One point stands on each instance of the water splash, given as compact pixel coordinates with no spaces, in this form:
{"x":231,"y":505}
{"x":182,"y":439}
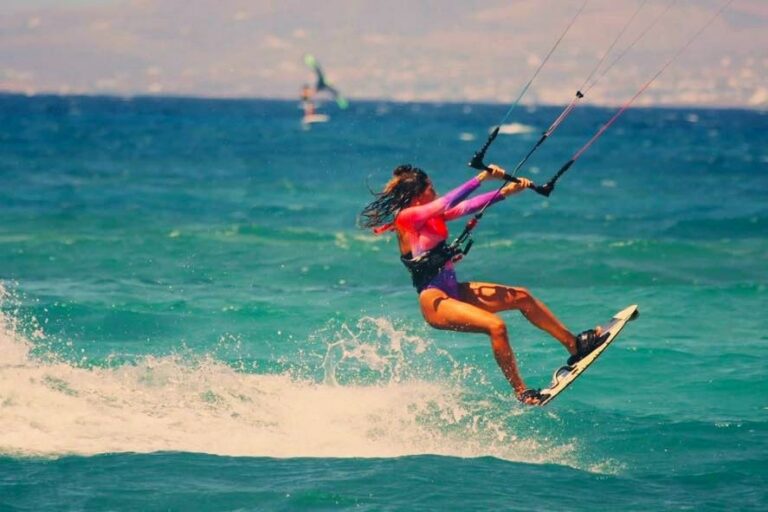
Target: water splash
{"x":373,"y":345}
{"x":14,"y":348}
{"x":199,"y":404}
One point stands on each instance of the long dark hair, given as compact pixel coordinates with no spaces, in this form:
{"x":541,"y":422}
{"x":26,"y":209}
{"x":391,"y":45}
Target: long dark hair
{"x":407,"y":183}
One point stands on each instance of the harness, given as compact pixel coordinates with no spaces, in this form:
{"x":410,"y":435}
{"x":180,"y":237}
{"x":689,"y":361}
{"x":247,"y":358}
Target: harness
{"x":427,"y":266}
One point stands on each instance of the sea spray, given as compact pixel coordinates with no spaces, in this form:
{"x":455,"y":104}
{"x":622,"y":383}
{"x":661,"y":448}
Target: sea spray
{"x":200,"y":404}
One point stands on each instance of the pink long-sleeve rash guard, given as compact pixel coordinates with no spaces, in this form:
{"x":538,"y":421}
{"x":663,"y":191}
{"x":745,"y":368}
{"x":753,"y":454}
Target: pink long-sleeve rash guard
{"x":424,"y":225}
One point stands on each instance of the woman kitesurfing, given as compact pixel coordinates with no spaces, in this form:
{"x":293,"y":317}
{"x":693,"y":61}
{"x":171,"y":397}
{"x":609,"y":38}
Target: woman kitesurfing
{"x":409,"y":206}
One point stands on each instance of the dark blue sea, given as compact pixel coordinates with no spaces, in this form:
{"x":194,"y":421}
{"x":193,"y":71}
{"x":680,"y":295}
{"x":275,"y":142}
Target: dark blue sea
{"x":191,"y":320}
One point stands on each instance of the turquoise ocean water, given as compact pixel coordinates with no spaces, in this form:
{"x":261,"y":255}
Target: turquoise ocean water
{"x":190,"y":319}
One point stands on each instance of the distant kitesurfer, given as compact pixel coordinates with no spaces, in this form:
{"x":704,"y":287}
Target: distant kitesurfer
{"x":409,"y":206}
{"x":307,"y":103}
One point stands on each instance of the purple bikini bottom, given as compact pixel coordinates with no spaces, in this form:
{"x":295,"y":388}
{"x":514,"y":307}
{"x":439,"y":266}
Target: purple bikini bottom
{"x":445,"y":281}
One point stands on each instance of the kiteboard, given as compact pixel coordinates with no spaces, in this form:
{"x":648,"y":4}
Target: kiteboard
{"x":314,"y":118}
{"x":564,"y":375}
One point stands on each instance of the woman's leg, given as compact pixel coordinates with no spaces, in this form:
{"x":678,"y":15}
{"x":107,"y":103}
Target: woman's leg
{"x":495,"y":297}
{"x":443,"y":312}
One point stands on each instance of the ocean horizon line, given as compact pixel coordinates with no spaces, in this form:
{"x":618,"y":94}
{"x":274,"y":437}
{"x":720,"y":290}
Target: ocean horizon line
{"x":394,"y":101}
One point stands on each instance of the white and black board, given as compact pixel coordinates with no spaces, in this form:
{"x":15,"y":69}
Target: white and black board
{"x":564,"y":375}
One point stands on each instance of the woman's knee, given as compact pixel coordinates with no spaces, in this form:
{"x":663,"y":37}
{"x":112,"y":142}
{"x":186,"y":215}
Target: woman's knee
{"x":522,"y":294}
{"x":524,"y":299}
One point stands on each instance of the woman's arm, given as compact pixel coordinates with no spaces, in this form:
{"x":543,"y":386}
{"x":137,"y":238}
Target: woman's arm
{"x":415,"y":216}
{"x":477,"y":203}
{"x":473,"y":205}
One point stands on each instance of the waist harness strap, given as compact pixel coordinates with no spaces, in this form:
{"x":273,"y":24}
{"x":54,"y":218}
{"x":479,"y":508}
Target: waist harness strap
{"x":425,"y":267}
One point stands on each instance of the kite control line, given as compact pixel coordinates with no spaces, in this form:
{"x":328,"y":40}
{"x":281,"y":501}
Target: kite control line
{"x":477,"y":159}
{"x":465,"y":239}
{"x":548,"y":187}
{"x":463,"y":242}
{"x":588,"y":83}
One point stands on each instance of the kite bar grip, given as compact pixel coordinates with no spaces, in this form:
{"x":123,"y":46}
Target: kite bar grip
{"x":477,"y":163}
{"x":543,"y":190}
{"x":477,"y":159}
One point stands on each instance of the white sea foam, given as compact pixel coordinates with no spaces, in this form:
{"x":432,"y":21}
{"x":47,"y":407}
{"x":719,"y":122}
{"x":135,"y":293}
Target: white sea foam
{"x":515,"y":129}
{"x":203,"y":405}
